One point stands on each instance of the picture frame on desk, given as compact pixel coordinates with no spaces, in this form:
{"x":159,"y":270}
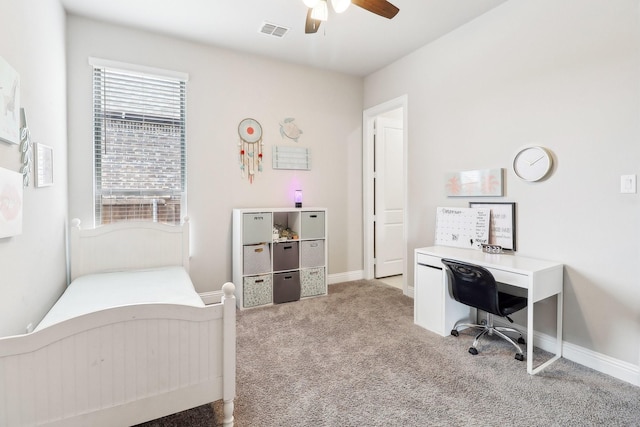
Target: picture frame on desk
{"x":502,"y":229}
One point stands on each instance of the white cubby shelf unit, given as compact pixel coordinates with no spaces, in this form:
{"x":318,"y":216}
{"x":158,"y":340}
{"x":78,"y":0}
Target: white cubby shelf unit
{"x":271,"y":266}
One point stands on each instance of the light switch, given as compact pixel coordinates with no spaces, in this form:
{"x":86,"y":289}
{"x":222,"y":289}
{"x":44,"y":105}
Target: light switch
{"x":628,"y":184}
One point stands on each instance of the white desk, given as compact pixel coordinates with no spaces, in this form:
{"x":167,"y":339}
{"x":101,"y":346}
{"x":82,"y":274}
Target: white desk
{"x":437,"y":311}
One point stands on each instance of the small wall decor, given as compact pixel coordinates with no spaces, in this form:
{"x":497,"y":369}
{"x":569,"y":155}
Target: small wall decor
{"x":44,"y":165}
{"x":9,"y":103}
{"x":10,"y":203}
{"x":294,"y":158}
{"x":25,"y":149}
{"x":250,"y":145}
{"x":289,"y":129}
{"x":502,"y":225}
{"x":482,"y":182}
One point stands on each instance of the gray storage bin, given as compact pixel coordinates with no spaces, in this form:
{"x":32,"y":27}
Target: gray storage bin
{"x":286,"y":287}
{"x":312,"y":282}
{"x":257,"y":290}
{"x":312,"y":225}
{"x":257,"y":259}
{"x":311,"y":253}
{"x":257,"y":227}
{"x":286,"y":256}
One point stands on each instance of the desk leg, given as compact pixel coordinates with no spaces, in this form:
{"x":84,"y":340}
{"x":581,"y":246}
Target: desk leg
{"x":559,"y":299}
{"x":530,"y":334}
{"x":558,"y":354}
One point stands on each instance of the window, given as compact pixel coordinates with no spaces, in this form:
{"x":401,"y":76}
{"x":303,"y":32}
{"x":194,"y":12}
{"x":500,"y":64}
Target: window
{"x":139,"y":143}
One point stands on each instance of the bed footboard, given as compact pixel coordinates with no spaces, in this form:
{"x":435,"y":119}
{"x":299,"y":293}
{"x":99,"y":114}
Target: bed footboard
{"x":121,"y":366}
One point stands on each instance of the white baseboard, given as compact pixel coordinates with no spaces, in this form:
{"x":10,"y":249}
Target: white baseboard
{"x":345,"y":277}
{"x":619,"y":369}
{"x":602,"y":363}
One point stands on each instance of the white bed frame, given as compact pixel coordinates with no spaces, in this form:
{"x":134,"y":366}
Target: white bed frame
{"x":124,"y":365}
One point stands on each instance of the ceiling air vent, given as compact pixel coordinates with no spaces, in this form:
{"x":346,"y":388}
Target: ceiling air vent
{"x":273,"y":30}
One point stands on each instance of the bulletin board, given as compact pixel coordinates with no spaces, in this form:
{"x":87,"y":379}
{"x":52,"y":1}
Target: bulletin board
{"x":462,"y":227}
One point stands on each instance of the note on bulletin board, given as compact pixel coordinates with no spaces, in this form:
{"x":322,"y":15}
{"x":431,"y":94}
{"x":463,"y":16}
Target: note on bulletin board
{"x":462,"y":227}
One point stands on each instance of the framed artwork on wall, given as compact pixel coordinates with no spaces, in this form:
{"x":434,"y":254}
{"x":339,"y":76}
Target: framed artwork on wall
{"x":502,"y":224}
{"x":472,"y":183}
{"x":10,"y":203}
{"x":9,"y":103}
{"x":44,"y":165}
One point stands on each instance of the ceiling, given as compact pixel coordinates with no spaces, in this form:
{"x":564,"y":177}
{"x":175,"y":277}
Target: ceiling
{"x":355,"y":42}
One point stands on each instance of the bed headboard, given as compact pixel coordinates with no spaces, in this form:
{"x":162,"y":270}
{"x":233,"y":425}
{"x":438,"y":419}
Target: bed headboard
{"x":126,"y":246}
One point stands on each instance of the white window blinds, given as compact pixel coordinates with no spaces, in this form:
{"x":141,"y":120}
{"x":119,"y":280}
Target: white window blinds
{"x":139,"y":145}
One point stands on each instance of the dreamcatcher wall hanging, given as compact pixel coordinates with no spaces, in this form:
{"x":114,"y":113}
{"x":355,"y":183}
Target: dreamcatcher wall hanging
{"x":250,"y":146}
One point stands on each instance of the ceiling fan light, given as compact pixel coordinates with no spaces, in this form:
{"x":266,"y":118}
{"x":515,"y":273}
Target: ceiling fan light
{"x":320,"y":12}
{"x":310,"y":3}
{"x":340,"y":5}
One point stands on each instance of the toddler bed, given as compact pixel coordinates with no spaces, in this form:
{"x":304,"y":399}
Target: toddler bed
{"x":129,"y":340}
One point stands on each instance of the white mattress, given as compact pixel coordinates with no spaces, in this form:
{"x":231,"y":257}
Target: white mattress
{"x":94,"y":292}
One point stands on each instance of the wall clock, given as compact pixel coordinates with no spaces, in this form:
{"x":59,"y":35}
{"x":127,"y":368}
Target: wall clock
{"x":532,"y":163}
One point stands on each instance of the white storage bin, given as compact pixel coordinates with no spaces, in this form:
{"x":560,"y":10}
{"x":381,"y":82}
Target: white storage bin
{"x":312,"y":282}
{"x":257,"y":259}
{"x":257,"y":290}
{"x":312,"y":253}
{"x":257,"y":227}
{"x":312,"y":225}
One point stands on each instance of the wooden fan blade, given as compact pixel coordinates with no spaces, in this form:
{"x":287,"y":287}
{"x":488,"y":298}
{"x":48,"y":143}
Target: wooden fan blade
{"x":379,"y":7}
{"x":311,"y":25}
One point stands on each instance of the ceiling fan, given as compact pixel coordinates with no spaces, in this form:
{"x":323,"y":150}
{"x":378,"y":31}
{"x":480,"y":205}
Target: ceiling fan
{"x":318,"y":10}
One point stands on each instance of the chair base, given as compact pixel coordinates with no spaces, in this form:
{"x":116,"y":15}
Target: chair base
{"x":487,"y":328}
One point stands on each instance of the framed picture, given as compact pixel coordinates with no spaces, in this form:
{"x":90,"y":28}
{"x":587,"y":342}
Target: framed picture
{"x":10,"y":203}
{"x":9,"y":103}
{"x":44,"y":165}
{"x":473,"y":183}
{"x":502,"y":225}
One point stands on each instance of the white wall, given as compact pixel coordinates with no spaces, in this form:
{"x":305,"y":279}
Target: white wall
{"x":32,"y":265}
{"x":563,"y":74}
{"x":224,"y":88}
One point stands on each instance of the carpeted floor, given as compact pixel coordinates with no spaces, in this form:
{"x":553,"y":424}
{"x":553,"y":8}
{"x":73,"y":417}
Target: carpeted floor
{"x":355,"y":358}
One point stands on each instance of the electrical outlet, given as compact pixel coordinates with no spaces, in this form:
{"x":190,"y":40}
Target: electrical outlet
{"x":628,"y":184}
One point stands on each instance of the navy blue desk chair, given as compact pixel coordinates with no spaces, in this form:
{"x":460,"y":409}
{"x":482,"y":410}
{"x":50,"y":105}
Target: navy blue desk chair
{"x":475,"y":286}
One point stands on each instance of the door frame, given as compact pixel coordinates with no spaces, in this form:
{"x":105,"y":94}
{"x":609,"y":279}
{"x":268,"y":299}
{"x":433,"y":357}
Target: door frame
{"x":368,"y":119}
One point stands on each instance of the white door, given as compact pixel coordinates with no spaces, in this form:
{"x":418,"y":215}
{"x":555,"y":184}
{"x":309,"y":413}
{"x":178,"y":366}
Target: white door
{"x":389,"y":197}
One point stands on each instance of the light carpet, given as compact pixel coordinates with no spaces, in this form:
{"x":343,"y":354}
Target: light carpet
{"x":355,"y":358}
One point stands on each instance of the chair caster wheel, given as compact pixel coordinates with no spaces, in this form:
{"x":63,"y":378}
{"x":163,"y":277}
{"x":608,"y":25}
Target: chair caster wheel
{"x":521,"y":341}
{"x":455,"y":332}
{"x":519,"y":356}
{"x":473,"y":350}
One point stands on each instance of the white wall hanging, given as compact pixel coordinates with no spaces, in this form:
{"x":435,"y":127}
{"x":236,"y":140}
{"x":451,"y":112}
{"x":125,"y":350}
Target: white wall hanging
{"x":25,"y":149}
{"x":250,"y":145}
{"x":44,"y":165}
{"x":296,"y":158}
{"x":289,"y":129}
